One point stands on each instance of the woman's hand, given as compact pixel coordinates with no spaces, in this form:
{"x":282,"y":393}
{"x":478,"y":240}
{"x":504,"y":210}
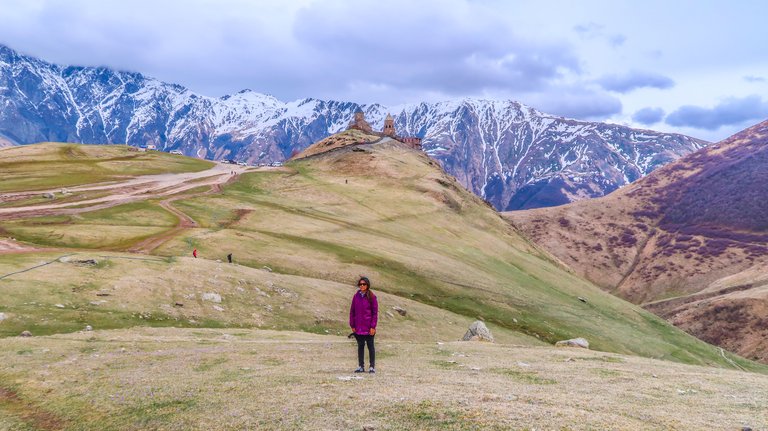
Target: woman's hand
{"x":373,"y":331}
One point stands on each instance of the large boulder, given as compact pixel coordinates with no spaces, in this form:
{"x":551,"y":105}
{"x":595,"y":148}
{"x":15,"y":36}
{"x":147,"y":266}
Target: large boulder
{"x":573,"y":342}
{"x":478,"y":332}
{"x":212,"y":297}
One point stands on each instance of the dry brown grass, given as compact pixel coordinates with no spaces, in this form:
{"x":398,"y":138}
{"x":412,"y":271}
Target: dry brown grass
{"x":127,"y":290}
{"x":181,"y":379}
{"x":158,"y":361}
{"x":687,"y":242}
{"x":339,"y":140}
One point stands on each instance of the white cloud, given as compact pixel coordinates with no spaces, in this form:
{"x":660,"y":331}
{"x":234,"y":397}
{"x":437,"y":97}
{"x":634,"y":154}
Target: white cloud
{"x":403,"y":51}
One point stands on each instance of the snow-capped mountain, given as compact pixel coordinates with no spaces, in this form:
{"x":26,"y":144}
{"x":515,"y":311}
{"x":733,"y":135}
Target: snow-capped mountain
{"x":510,"y":154}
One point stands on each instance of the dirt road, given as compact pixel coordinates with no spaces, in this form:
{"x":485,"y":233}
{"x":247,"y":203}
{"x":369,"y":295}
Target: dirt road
{"x":130,"y":190}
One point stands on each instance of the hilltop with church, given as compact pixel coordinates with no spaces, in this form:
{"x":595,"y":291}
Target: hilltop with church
{"x":359,"y":123}
{"x":359,"y":132}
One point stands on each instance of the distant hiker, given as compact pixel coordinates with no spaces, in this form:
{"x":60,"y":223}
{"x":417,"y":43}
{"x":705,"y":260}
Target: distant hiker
{"x":229,"y":257}
{"x":194,"y":253}
{"x":363,"y":316}
{"x":346,"y":182}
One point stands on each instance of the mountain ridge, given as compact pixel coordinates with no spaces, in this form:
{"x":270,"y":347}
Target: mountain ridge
{"x":510,"y":154}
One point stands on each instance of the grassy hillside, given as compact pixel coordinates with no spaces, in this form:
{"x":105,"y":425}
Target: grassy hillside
{"x":675,"y":240}
{"x":389,"y":212}
{"x":197,"y":343}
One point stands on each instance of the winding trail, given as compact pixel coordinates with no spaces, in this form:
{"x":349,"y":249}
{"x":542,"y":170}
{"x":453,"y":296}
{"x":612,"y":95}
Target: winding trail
{"x":185,"y":222}
{"x":131,"y":190}
{"x":635,"y":262}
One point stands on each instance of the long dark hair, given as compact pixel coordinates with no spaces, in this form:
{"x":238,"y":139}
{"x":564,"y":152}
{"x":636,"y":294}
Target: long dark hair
{"x":368,"y":294}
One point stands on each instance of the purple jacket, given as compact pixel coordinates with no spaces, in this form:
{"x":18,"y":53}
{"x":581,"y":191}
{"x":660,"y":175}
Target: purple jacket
{"x":363,"y":314}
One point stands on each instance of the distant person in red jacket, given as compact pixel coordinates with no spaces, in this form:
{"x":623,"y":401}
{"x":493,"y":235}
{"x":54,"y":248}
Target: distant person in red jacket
{"x":363,"y":316}
{"x":194,"y":253}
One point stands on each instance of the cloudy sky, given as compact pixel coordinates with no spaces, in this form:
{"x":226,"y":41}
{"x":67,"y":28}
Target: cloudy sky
{"x":694,"y":67}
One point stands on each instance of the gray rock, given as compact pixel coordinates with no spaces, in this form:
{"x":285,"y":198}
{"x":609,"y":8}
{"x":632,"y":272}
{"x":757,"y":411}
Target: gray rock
{"x":573,"y":342}
{"x":88,"y":328}
{"x":2,"y":317}
{"x":26,"y":334}
{"x":49,"y":195}
{"x":478,"y":332}
{"x":400,"y":311}
{"x":213,"y":297}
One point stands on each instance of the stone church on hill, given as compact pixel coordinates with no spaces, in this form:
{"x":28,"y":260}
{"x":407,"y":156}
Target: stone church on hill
{"x":359,"y":123}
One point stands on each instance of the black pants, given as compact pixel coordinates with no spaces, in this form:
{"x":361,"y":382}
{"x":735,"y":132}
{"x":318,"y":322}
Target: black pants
{"x":362,"y":340}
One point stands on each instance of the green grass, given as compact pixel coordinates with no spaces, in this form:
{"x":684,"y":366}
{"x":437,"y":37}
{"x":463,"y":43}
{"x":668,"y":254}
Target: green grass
{"x":528,"y":377}
{"x":82,"y":236}
{"x":111,"y":228}
{"x":445,"y":365}
{"x":429,"y":415}
{"x":144,"y":213}
{"x":210,"y":364}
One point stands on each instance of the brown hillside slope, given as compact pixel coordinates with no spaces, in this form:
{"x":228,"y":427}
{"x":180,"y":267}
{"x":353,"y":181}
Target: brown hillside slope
{"x":339,"y":140}
{"x":695,"y":231}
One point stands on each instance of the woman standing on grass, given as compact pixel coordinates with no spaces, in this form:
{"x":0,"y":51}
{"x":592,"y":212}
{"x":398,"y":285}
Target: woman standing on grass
{"x":363,"y":316}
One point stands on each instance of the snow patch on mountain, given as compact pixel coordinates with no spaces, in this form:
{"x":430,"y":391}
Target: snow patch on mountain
{"x":510,"y":154}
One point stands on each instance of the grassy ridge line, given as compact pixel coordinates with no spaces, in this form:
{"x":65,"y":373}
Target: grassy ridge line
{"x":54,"y":165}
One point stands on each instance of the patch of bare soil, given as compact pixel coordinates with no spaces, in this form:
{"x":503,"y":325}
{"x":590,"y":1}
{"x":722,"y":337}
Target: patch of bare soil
{"x":9,"y":246}
{"x":185,"y":222}
{"x":29,"y":413}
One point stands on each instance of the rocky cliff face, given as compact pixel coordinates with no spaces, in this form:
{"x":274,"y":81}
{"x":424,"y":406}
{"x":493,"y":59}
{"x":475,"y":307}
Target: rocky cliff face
{"x":511,"y":155}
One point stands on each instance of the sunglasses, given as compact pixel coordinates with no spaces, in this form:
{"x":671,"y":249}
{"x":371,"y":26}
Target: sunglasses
{"x":362,"y":284}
